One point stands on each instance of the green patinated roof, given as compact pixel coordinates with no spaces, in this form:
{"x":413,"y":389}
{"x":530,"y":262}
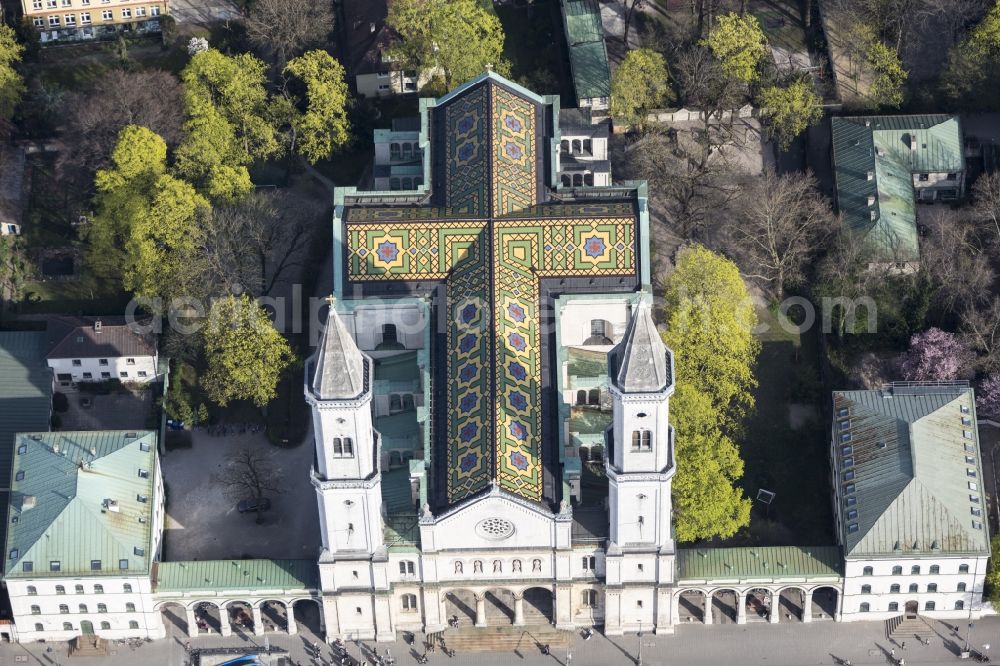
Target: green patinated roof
{"x":587,"y":421}
{"x":758,"y":562}
{"x":586,"y":363}
{"x":396,"y":427}
{"x":73,"y":476}
{"x":402,"y":532}
{"x":588,"y":56}
{"x":223,"y":575}
{"x":25,"y":401}
{"x":397,"y":368}
{"x":882,"y":145}
{"x":396,"y":491}
{"x":911,"y":479}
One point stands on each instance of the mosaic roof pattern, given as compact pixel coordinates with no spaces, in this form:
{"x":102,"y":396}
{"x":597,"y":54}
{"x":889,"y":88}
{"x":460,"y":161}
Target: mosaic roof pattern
{"x":493,"y":262}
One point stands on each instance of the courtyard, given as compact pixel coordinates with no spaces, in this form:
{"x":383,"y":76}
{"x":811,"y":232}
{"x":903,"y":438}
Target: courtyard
{"x":202,"y":522}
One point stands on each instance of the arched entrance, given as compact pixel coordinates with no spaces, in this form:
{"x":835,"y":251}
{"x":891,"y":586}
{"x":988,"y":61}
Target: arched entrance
{"x":308,"y":617}
{"x":273,"y":615}
{"x":499,"y":607}
{"x":460,"y":604}
{"x":724,"y":606}
{"x":691,"y":606}
{"x":538,"y":606}
{"x":911,"y":609}
{"x":791,"y":601}
{"x":209,"y":618}
{"x":174,"y":615}
{"x":240,"y":616}
{"x":824,"y":603}
{"x":87,"y":628}
{"x":758,"y":605}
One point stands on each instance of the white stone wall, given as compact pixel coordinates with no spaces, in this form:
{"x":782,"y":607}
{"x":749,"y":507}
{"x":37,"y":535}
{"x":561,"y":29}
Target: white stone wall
{"x":366,"y":322}
{"x":141,"y":369}
{"x":575,"y":317}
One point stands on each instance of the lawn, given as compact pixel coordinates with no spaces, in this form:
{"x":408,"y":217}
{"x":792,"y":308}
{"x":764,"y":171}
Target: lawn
{"x":76,"y":66}
{"x":785,"y":445}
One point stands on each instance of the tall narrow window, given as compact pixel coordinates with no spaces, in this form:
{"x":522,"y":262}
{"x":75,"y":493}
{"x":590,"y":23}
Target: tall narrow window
{"x":636,"y":438}
{"x":647,"y":440}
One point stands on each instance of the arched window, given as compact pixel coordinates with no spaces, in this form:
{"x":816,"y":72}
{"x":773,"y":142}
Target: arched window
{"x":102,"y":608}
{"x":408,"y":403}
{"x":897,"y":571}
{"x":894,"y":588}
{"x":60,"y":589}
{"x":932,"y":587}
{"x":405,"y":182}
{"x":407,"y":150}
{"x":929,"y":605}
{"x":915,"y":570}
{"x":868,"y":571}
{"x":36,"y":610}
{"x":588,"y":179}
{"x":127,"y":587}
{"x":577,"y":146}
{"x":458,"y":567}
{"x":564,"y":145}
{"x":594,"y":397}
{"x":577,"y":180}
{"x":959,"y":605}
{"x":394,"y":183}
{"x":394,"y":151}
{"x":32,"y":591}
{"x":64,"y":609}
{"x":477,"y":566}
{"x":565,"y":180}
{"x":348,"y":447}
{"x":961,"y":587}
{"x":589,"y":598}
{"x":395,"y":403}
{"x":67,"y":626}
{"x":893,"y":606}
{"x":584,"y":453}
{"x":395,"y":459}
{"x":963,"y":568}
{"x":105,"y":625}
{"x":864,"y":607}
{"x":497,"y":566}
{"x":409,"y":602}
{"x":98,"y":589}
{"x":39,"y":627}
{"x":588,"y":146}
{"x":83,"y":608}
{"x":130,"y":607}
{"x":79,"y":589}
{"x":132,"y":624}
{"x":516,"y":566}
{"x":406,"y":567}
{"x":536,"y":565}
{"x":935,"y":569}
{"x":599,"y":332}
{"x":581,"y":397}
{"x":913,"y":588}
{"x":597,"y":453}
{"x":866,"y":589}
{"x":636,"y":439}
{"x":647,"y":440}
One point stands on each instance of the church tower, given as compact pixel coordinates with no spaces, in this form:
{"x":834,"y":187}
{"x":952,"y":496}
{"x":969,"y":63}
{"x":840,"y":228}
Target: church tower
{"x":347,"y":477}
{"x":640,"y":465}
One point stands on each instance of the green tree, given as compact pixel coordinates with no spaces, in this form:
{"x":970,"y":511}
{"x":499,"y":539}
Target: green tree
{"x":11,"y":83}
{"x":790,"y":109}
{"x":639,"y":84}
{"x":739,"y":44}
{"x":228,"y":123}
{"x":972,"y":76}
{"x":710,"y":321}
{"x":993,"y":574}
{"x":245,"y":353}
{"x":889,"y":76}
{"x":460,"y":38}
{"x":324,"y":126}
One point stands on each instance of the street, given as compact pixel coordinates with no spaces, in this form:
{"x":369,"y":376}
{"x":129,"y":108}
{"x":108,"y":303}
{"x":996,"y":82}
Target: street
{"x":772,"y":644}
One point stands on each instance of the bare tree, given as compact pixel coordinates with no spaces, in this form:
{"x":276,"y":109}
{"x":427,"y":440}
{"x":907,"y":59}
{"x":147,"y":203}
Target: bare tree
{"x":986,"y":206}
{"x":250,"y":474}
{"x":980,"y":327}
{"x":782,"y":220}
{"x":94,"y":117}
{"x":630,"y":7}
{"x":952,"y":257}
{"x":288,"y":27}
{"x":252,"y":245}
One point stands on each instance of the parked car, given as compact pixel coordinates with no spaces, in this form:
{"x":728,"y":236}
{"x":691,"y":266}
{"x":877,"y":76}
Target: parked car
{"x":248,"y":505}
{"x":174,"y":424}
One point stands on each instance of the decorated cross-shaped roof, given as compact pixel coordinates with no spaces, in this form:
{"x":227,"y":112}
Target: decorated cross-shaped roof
{"x":490,"y":229}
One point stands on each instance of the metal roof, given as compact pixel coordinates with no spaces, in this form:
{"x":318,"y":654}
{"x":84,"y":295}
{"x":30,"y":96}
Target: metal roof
{"x":78,"y":502}
{"x":874,"y":160}
{"x":225,"y":575}
{"x":588,"y":57}
{"x":25,"y":402}
{"x":340,"y":365}
{"x":698,"y":564}
{"x":914,"y":451}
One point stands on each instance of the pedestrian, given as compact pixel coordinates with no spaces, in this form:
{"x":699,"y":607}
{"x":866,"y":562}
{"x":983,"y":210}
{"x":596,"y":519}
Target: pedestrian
{"x":892,"y":652}
{"x":903,"y":645}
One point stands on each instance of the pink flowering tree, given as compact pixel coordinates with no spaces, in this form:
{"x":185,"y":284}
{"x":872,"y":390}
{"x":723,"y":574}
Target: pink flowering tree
{"x":935,"y":355}
{"x":988,"y":397}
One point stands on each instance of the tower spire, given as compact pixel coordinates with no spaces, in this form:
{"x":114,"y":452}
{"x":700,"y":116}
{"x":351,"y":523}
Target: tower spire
{"x":641,"y":356}
{"x":340,"y":365}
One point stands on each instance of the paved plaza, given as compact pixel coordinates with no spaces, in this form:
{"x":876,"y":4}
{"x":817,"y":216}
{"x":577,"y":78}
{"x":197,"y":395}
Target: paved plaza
{"x":863,"y":643}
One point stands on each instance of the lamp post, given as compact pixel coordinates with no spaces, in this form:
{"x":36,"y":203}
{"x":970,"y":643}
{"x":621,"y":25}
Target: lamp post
{"x":639,"y":660}
{"x":972,"y":598}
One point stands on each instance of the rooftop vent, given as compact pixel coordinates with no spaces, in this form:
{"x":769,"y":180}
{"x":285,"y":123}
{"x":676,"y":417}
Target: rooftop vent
{"x":871,"y":175}
{"x":55,"y":449}
{"x":111,"y":505}
{"x":874,"y":216}
{"x":28,"y":502}
{"x":97,"y":326}
{"x":93,"y":450}
{"x":871,"y":199}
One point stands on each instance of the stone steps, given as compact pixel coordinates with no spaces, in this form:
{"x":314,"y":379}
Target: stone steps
{"x":904,"y":628}
{"x":526,"y":640}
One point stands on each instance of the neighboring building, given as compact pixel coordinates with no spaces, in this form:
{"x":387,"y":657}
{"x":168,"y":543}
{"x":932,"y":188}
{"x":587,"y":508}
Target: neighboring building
{"x":94,"y":349}
{"x":909,"y":501}
{"x":369,"y":39}
{"x":84,"y":528}
{"x":399,"y":163}
{"x":884,"y":166}
{"x":583,"y":150}
{"x":73,"y":20}
{"x":588,"y":56}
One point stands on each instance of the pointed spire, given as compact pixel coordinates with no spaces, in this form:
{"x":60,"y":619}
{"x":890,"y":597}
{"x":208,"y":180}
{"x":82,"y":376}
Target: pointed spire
{"x":642,"y":366}
{"x":340,"y":365}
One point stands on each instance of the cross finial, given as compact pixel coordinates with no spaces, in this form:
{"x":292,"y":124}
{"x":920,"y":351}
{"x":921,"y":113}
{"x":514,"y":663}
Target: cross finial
{"x":331,"y":300}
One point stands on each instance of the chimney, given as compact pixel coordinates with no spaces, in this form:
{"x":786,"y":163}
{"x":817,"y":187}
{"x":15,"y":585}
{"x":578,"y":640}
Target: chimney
{"x":28,"y":502}
{"x":55,"y":449}
{"x":97,"y":326}
{"x":871,"y":199}
{"x":111,"y":505}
